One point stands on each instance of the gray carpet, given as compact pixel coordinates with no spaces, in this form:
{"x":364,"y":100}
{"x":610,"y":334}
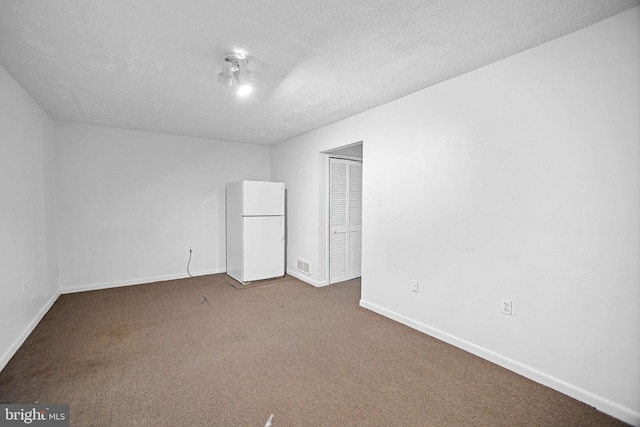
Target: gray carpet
{"x":198,"y":352}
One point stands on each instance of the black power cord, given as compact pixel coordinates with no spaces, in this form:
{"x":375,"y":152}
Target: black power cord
{"x":189,"y":262}
{"x":204,"y":298}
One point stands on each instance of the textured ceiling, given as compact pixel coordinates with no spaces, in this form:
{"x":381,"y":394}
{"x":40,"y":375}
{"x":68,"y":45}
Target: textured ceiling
{"x":152,"y":64}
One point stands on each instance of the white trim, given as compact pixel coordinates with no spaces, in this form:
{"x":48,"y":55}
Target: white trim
{"x":140,"y":281}
{"x":327,"y":221}
{"x":344,"y":157}
{"x":306,"y":279}
{"x":27,"y":331}
{"x":623,"y":413}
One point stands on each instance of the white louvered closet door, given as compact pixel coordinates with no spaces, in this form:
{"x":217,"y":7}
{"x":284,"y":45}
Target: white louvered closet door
{"x":345,"y":203}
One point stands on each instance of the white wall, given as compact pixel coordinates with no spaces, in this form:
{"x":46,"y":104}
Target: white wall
{"x":28,"y":283}
{"x":518,"y":180}
{"x":301,"y":165}
{"x":130,"y":204}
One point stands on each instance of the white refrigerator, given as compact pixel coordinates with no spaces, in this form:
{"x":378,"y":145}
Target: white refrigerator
{"x":255,"y":230}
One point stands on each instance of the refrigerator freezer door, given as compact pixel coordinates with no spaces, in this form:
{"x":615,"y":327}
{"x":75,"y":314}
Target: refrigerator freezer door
{"x":263,"y":247}
{"x":262,"y":198}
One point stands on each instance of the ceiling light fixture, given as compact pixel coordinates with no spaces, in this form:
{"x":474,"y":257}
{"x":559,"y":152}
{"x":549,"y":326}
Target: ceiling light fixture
{"x":237,"y":68}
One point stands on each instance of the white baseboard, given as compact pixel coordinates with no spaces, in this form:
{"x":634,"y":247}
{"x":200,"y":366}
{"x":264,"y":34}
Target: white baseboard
{"x":616,"y":410}
{"x":139,"y":281}
{"x":27,"y":331}
{"x":306,"y":279}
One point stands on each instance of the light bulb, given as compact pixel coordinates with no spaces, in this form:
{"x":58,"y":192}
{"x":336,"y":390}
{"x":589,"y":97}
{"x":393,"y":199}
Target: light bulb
{"x":244,"y":90}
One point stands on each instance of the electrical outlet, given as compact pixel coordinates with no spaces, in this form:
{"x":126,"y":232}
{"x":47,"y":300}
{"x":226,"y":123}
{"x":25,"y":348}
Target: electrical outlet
{"x":414,"y":286}
{"x":505,"y":306}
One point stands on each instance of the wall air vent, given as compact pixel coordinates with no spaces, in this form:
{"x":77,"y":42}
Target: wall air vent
{"x":304,"y":267}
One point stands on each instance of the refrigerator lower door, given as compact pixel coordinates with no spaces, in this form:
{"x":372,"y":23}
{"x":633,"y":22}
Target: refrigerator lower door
{"x":263,"y":247}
